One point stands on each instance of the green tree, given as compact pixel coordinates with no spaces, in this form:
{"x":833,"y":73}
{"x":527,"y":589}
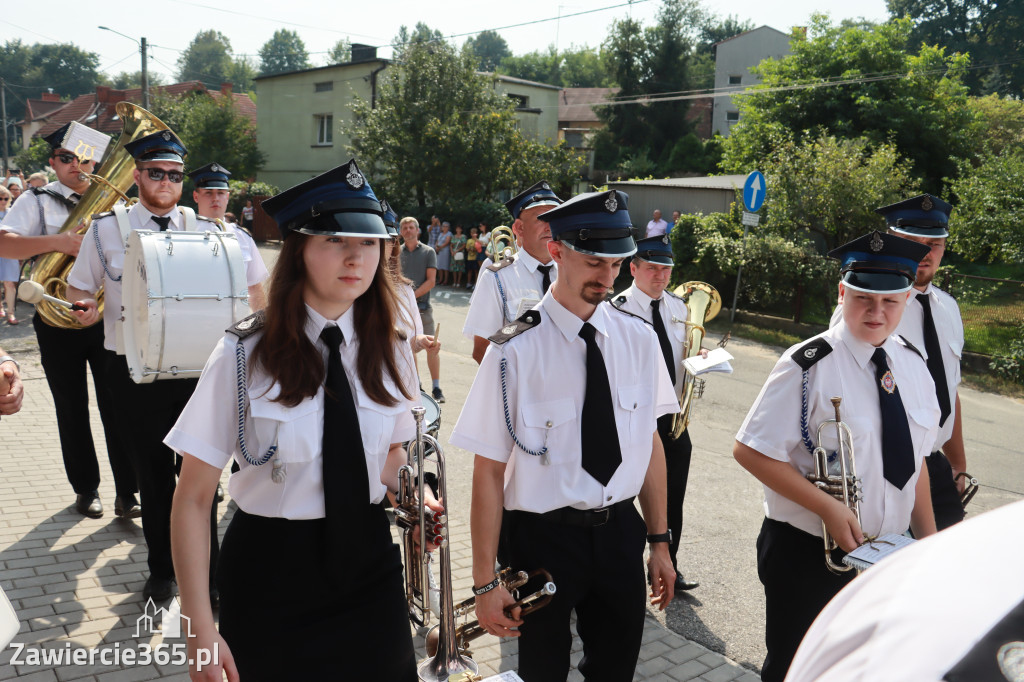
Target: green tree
{"x":440,"y":134}
{"x":715,"y":30}
{"x":284,"y":52}
{"x":133,"y":79}
{"x":206,"y":59}
{"x":420,"y":35}
{"x":575,"y":67}
{"x":488,"y":47}
{"x":36,"y":157}
{"x":988,"y":226}
{"x":340,"y":53}
{"x":917,"y":101}
{"x":999,"y":123}
{"x":242,"y":73}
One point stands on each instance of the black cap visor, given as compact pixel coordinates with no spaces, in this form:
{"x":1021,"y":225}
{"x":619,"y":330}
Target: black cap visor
{"x":878,"y":281}
{"x":618,"y":247}
{"x":346,"y":224}
{"x":921,"y":230}
{"x":656,"y":257}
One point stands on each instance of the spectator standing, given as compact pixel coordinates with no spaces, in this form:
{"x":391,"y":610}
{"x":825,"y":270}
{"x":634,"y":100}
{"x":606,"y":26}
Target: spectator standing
{"x":15,"y":187}
{"x":419,"y":264}
{"x":38,"y":179}
{"x":472,"y":251}
{"x":675,"y":219}
{"x":656,"y":227}
{"x":458,"y":249}
{"x":10,"y":270}
{"x":248,"y":213}
{"x":444,"y":256}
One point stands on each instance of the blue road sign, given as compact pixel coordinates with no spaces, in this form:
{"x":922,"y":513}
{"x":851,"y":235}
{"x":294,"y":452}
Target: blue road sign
{"x":753,"y":191}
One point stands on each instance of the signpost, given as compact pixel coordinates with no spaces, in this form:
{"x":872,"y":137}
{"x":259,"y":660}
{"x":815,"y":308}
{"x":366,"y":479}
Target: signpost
{"x":754,"y":190}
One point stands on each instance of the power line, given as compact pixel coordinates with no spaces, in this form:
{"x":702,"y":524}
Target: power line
{"x":271,"y":19}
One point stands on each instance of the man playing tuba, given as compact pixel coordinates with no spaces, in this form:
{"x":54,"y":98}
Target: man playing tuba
{"x":33,"y":227}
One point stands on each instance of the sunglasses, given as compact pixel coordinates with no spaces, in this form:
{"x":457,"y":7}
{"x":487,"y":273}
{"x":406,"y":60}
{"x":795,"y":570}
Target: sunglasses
{"x":157,"y":174}
{"x":4,"y":200}
{"x":68,"y":158}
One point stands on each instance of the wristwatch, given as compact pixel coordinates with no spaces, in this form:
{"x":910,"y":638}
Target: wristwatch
{"x":660,"y":537}
{"x":8,"y":358}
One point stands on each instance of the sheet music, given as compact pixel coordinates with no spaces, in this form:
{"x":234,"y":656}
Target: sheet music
{"x":716,"y":361}
{"x":870,"y":553}
{"x":507,"y":676}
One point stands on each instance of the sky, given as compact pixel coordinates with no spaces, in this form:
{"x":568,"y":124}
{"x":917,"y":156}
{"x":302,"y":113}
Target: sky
{"x":170,"y":25}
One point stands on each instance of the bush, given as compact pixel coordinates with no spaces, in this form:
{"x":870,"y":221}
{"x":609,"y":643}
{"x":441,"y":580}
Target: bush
{"x":242,"y":190}
{"x":1011,"y":366}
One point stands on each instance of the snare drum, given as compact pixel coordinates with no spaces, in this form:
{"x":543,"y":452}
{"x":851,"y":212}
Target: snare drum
{"x":181,"y":290}
{"x":432,"y":417}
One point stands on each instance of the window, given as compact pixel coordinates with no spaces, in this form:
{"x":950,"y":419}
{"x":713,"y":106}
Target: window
{"x":326,"y":86}
{"x":732,"y":116}
{"x":522,"y":101}
{"x":324,"y":129}
{"x":735,"y":80}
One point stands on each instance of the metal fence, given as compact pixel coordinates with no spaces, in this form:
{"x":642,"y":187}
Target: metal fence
{"x":992,"y":310}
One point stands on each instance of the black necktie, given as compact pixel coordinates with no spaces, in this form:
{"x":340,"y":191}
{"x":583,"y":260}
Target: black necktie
{"x":600,"y":438}
{"x":545,"y":281}
{"x":162,"y":221}
{"x":897,"y":447}
{"x":935,"y":367}
{"x":666,"y":347}
{"x":344,"y":461}
{"x":75,"y":197}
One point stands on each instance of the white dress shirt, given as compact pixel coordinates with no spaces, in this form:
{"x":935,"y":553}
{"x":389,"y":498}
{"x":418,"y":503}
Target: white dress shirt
{"x":255,"y":269}
{"x":895,"y":622}
{"x":656,"y":228}
{"x":546,"y":380}
{"x":208,"y":426}
{"x":772,"y":427}
{"x":674,"y":314}
{"x":949,"y":327}
{"x":87,"y":273}
{"x":522,"y":283}
{"x":25,"y":218}
{"x":409,"y":319}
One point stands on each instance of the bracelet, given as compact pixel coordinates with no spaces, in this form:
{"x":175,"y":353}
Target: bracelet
{"x":660,"y":537}
{"x":8,"y":358}
{"x":486,"y":588}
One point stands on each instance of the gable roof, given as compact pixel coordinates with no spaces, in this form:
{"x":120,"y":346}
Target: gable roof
{"x":740,"y":35}
{"x":577,"y":104}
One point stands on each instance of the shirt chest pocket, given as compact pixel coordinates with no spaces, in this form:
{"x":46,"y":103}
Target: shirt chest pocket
{"x":922,"y":421}
{"x":298,"y":431}
{"x":634,"y":417}
{"x":552,"y":424}
{"x":376,"y":421}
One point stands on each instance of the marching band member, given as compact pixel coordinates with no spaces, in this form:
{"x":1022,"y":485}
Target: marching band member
{"x":505,"y":290}
{"x":145,"y":411}
{"x":932,"y":323}
{"x":211,"y":195}
{"x":651,"y":268}
{"x":562,"y":418}
{"x":307,"y":565}
{"x":31,"y":228}
{"x":888,"y":401}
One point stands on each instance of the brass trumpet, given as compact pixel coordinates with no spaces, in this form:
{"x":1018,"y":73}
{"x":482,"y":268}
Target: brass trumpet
{"x":844,"y":485}
{"x":411,"y":514}
{"x":511,"y":580}
{"x":503,"y":243}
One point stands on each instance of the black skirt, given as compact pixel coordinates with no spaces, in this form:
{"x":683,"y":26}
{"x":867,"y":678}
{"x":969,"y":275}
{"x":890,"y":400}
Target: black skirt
{"x":294,"y":606}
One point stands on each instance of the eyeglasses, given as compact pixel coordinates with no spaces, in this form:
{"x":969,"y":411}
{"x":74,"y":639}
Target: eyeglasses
{"x":157,"y":174}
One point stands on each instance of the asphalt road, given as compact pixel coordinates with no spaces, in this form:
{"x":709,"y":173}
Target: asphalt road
{"x":723,"y":505}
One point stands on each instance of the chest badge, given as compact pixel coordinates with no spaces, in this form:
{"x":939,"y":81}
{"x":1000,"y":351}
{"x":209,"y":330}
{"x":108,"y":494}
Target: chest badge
{"x":888,"y":382}
{"x":509,"y":329}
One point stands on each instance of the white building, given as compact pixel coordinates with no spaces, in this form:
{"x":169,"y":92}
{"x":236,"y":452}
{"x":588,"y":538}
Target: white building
{"x":734,"y":58}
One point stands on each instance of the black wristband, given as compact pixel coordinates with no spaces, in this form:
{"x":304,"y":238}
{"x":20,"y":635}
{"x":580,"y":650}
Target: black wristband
{"x":660,"y":537}
{"x":486,"y":588}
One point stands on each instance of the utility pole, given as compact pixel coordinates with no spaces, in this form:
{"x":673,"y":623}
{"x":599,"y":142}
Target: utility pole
{"x":3,"y":105}
{"x":145,"y":77}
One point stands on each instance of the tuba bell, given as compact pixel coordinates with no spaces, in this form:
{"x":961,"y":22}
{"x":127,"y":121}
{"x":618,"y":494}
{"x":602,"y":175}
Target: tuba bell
{"x":51,"y":270}
{"x":503,"y":243}
{"x":702,"y":304}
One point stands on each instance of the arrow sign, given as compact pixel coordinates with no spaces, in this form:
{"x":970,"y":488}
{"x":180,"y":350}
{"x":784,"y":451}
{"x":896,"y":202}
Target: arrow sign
{"x":753,"y":191}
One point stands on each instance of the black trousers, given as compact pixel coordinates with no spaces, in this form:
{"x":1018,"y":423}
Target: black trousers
{"x":290,"y":611}
{"x":677,"y":473}
{"x":945,"y":498}
{"x":150,"y":410}
{"x":797,"y":586}
{"x":599,"y":572}
{"x":64,"y":354}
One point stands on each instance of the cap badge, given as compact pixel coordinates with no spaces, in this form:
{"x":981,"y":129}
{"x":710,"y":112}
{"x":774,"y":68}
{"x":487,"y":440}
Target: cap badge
{"x":545,"y":185}
{"x":810,"y":353}
{"x":611,"y":204}
{"x":216,"y":169}
{"x":166,"y":136}
{"x":926,"y":204}
{"x":664,"y":239}
{"x":354,"y":179}
{"x":877,"y":243}
{"x":509,"y":329}
{"x":888,"y":382}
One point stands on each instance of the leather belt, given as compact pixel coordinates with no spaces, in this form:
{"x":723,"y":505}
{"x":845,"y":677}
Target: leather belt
{"x":585,"y":518}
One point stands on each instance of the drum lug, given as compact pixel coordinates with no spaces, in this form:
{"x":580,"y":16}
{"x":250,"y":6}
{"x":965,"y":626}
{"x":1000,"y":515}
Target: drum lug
{"x":170,"y":245}
{"x":216,"y":248}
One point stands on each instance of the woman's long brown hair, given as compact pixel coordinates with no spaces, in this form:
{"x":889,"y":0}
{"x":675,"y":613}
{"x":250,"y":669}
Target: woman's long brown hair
{"x":285,"y":352}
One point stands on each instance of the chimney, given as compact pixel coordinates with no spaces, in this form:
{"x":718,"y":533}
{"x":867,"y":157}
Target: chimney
{"x":363,"y":53}
{"x":50,"y":97}
{"x":103,"y":94}
{"x":225,"y":89}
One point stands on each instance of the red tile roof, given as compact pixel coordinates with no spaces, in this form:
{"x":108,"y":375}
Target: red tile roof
{"x":577,"y":104}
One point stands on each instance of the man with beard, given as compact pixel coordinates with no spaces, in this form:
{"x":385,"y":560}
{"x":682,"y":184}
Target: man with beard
{"x":562,"y":418}
{"x":507,"y":289}
{"x":30,"y":229}
{"x":211,"y":195}
{"x":148,"y":411}
{"x":932,"y":323}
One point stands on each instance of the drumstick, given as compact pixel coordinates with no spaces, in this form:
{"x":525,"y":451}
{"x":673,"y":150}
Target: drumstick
{"x":33,"y":292}
{"x":437,"y":330}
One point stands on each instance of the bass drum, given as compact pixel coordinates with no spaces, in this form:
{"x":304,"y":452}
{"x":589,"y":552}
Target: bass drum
{"x":180,"y":291}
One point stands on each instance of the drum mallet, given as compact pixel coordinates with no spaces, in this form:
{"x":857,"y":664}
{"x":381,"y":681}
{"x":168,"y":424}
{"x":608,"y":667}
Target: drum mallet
{"x":32,"y":292}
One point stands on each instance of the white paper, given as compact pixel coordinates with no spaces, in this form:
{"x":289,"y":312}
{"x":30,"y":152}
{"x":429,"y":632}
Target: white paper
{"x":716,"y":361}
{"x":87,"y":144}
{"x":870,"y":553}
{"x":507,"y":676}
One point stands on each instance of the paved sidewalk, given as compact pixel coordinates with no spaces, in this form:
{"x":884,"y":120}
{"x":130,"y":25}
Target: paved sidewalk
{"x":76,"y":582}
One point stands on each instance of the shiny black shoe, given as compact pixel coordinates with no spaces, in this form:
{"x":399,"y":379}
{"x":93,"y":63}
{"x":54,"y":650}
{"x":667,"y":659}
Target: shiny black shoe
{"x":89,"y":505}
{"x":159,"y":589}
{"x":127,"y":507}
{"x":684,"y":585}
{"x":218,"y":497}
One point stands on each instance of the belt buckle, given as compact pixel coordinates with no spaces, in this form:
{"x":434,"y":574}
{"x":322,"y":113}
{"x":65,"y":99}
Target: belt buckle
{"x":607,"y":511}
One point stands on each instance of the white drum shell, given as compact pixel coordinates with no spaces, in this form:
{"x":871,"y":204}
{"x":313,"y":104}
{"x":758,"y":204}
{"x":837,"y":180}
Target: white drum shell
{"x":180,"y":291}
